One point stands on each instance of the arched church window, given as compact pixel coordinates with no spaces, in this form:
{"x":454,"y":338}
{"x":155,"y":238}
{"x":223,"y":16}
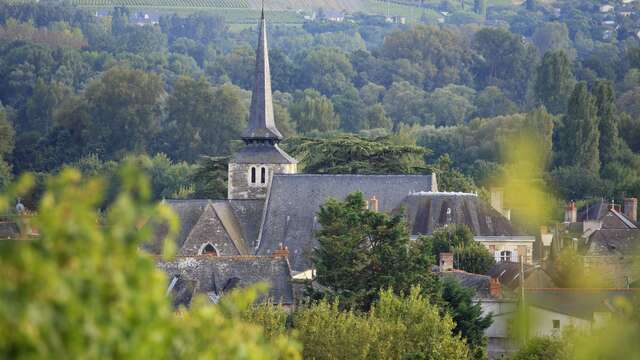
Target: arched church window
{"x":253,"y":174}
{"x":210,"y":250}
{"x":263,"y":175}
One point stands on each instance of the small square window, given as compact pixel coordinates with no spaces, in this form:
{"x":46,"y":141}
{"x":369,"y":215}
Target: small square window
{"x":556,"y":324}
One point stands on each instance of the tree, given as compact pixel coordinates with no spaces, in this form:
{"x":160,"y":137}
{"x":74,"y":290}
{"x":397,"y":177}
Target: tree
{"x":531,"y":5}
{"x":480,"y":7}
{"x":313,"y":112}
{"x":124,"y":110}
{"x":377,"y":117}
{"x":580,"y":133}
{"x":544,"y":348}
{"x":210,"y":178}
{"x":492,"y":102}
{"x":553,"y":36}
{"x":458,"y":239}
{"x":405,"y":103}
{"x":467,"y":316}
{"x":80,"y":275}
{"x":505,"y":61}
{"x":448,"y":107}
{"x":202,"y":120}
{"x":609,"y":145}
{"x":441,"y":55}
{"x":7,"y":143}
{"x":396,"y":327}
{"x":473,"y":258}
{"x":348,"y":154}
{"x":362,"y":251}
{"x":554,"y":81}
{"x":327,"y":70}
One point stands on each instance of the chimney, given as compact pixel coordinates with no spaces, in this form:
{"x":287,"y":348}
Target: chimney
{"x":446,"y":262}
{"x":631,"y":209}
{"x":571,"y":213}
{"x":495,"y":289}
{"x":373,"y":203}
{"x":281,"y":251}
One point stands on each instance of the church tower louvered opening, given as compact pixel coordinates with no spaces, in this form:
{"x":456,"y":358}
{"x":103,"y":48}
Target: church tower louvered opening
{"x":251,"y":168}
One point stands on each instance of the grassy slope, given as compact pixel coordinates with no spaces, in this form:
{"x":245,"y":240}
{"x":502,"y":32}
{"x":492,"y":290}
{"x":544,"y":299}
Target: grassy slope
{"x":281,"y":11}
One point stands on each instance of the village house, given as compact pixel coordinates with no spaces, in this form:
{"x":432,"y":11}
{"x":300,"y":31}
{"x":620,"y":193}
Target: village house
{"x":264,"y":230}
{"x":606,"y":236}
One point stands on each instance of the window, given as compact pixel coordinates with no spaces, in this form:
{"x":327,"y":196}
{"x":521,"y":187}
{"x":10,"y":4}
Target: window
{"x":209,"y":249}
{"x":556,"y":324}
{"x":253,"y":175}
{"x":263,"y":175}
{"x":505,"y":256}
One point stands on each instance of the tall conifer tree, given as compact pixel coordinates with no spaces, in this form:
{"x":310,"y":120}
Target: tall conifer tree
{"x":554,"y":81}
{"x":581,"y":132}
{"x":608,"y":120}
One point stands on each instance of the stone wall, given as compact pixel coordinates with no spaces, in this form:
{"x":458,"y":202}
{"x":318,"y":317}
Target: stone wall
{"x":239,"y":180}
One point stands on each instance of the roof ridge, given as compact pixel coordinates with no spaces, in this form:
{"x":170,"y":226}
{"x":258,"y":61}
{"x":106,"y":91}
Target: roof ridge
{"x":353,"y":175}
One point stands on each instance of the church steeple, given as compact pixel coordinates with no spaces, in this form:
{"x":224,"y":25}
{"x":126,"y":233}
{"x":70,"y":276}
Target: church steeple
{"x":252,"y":167}
{"x":261,"y":126}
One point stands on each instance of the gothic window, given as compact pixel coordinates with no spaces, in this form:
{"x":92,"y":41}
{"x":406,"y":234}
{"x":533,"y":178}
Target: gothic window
{"x":253,"y":175}
{"x":263,"y":175}
{"x":209,"y":249}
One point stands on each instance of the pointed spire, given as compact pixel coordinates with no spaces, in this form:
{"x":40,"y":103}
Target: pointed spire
{"x":261,"y":126}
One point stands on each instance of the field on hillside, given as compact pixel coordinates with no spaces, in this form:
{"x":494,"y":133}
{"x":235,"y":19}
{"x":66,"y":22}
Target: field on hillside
{"x":280,"y":11}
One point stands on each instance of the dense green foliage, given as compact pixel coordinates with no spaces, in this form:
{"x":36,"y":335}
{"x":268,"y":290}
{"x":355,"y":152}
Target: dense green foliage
{"x":468,"y":255}
{"x":467,"y":316}
{"x":84,"y":290}
{"x":408,"y":326}
{"x":362,"y":251}
{"x":74,"y":85}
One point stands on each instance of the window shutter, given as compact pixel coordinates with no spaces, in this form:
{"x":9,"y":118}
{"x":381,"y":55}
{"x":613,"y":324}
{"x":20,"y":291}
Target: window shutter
{"x":514,"y":256}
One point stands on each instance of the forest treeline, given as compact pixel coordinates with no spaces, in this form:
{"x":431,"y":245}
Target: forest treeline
{"x":88,"y":91}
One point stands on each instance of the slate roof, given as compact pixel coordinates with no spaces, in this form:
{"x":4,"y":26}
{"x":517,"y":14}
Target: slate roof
{"x":249,"y":216}
{"x":294,"y":200}
{"x":214,"y":276}
{"x":594,"y":211}
{"x":480,"y":284}
{"x":579,"y":303}
{"x":230,"y":225}
{"x":612,"y":242}
{"x":9,"y":230}
{"x":427,"y":212}
{"x":508,"y":274}
{"x":262,"y":153}
{"x":261,"y":125}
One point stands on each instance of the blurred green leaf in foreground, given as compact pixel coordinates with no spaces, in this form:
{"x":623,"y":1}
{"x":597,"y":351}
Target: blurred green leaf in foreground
{"x":84,"y":290}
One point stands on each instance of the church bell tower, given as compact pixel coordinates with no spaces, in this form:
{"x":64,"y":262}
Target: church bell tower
{"x":251,"y":168}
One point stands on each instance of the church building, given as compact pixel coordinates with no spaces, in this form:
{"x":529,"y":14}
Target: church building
{"x":264,"y":230}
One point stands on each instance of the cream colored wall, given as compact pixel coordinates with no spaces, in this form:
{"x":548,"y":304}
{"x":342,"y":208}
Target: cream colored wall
{"x":541,"y":322}
{"x":510,"y":245}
